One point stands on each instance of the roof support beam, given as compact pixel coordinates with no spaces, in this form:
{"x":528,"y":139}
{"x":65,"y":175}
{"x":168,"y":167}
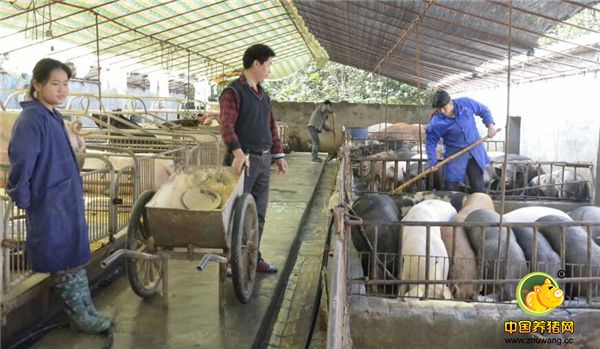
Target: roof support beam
{"x":87,"y":26}
{"x":285,"y":8}
{"x":207,"y":66}
{"x":338,"y":31}
{"x":203,"y":48}
{"x":285,"y":56}
{"x":500,"y":38}
{"x":184,"y":56}
{"x":228,"y":59}
{"x":55,"y":20}
{"x":450,"y":8}
{"x":114,"y":21}
{"x":452,"y":24}
{"x":25,"y":11}
{"x":453,"y":38}
{"x":450,"y":37}
{"x":544,"y":16}
{"x":137,"y":49}
{"x":112,"y":36}
{"x":447,"y":34}
{"x":404,"y":35}
{"x":582,"y":5}
{"x":433,"y":68}
{"x":432,"y":60}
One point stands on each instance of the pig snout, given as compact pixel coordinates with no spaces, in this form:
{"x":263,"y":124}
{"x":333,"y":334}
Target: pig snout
{"x":558,"y":293}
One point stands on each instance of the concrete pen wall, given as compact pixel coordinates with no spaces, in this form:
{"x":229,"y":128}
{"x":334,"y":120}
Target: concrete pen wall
{"x":296,"y":116}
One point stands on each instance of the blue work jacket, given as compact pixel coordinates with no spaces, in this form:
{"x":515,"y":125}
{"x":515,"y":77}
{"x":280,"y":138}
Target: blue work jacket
{"x":44,"y":180}
{"x":458,"y":132}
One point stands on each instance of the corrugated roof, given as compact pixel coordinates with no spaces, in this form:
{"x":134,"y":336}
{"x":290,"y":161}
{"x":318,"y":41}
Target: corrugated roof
{"x":447,"y":38}
{"x":454,"y":42}
{"x":161,"y":34}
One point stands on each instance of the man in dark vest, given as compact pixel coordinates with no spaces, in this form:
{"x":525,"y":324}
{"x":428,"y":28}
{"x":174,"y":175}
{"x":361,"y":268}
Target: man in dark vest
{"x":249,"y":131}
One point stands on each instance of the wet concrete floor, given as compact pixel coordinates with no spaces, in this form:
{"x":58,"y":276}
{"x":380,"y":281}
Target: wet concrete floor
{"x":193,"y":319}
{"x":295,"y":313}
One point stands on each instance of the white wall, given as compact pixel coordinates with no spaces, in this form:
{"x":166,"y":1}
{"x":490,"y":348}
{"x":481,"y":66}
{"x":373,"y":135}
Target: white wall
{"x":560,"y":118}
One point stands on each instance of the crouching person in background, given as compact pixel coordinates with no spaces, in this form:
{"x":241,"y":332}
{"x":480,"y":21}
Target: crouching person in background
{"x":44,"y":181}
{"x":317,"y":123}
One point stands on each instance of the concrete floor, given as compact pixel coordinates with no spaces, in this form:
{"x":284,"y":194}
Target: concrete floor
{"x":295,"y":314}
{"x":193,"y":319}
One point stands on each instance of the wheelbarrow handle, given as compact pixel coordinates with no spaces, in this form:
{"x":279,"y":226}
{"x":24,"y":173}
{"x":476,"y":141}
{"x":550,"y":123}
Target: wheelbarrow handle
{"x":129,"y":253}
{"x":209,"y":257}
{"x":410,"y":182}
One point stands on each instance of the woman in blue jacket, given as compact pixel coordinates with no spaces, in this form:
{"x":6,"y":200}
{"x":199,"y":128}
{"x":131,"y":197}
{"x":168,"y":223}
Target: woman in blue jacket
{"x":44,"y":181}
{"x":454,"y":122}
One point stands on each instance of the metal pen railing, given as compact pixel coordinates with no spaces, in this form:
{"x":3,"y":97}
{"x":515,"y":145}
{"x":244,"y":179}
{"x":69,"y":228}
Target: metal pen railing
{"x":378,"y":272}
{"x":581,"y":281}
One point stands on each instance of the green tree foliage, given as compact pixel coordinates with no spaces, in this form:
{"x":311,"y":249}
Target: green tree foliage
{"x":587,"y":18}
{"x":339,"y":82}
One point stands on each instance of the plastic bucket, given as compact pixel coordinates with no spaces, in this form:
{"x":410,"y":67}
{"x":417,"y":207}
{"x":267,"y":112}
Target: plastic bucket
{"x":359,"y":133}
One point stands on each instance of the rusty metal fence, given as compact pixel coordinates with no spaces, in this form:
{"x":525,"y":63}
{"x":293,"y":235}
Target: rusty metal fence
{"x":381,"y":166}
{"x":385,"y":160}
{"x":381,"y":274}
{"x":15,"y":267}
{"x":104,"y":208}
{"x":112,"y":179}
{"x":377,"y":174}
{"x":494,"y":146}
{"x":118,"y":165}
{"x":377,"y":270}
{"x":380,"y":271}
{"x":543,"y":180}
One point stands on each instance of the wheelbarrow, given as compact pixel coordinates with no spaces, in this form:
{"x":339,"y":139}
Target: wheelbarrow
{"x":194,"y":217}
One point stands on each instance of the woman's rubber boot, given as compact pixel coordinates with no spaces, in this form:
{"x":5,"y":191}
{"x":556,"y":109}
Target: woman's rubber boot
{"x":81,"y":320}
{"x":82,"y":280}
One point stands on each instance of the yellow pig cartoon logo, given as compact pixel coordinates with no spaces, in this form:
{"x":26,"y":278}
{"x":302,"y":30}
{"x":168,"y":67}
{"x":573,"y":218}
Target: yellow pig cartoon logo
{"x":538,"y":294}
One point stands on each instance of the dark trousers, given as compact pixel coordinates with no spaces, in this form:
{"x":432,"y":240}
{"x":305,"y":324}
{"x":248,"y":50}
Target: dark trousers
{"x":314,"y":136}
{"x":475,"y":176}
{"x":256,"y":182}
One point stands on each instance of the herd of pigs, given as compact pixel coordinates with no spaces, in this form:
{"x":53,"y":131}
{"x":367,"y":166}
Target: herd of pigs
{"x":394,"y":144}
{"x":470,"y":252}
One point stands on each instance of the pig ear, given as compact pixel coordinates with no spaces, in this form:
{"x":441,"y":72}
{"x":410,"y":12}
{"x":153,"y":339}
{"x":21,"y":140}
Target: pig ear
{"x":537,"y":289}
{"x":547,"y":282}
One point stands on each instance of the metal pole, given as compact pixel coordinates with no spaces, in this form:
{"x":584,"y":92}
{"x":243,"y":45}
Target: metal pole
{"x":338,"y":299}
{"x":3,"y":255}
{"x":188,"y":80}
{"x":98,"y":62}
{"x":503,"y":175}
{"x":418,"y":61}
{"x":597,"y":189}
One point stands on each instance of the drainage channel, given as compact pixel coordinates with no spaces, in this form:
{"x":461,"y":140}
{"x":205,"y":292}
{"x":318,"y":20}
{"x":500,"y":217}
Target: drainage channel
{"x":293,"y":322}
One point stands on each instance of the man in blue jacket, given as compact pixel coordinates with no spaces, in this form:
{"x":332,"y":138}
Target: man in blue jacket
{"x":454,"y":122}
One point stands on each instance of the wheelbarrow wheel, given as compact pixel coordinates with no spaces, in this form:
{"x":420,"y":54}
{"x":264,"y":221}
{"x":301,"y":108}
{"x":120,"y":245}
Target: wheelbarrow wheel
{"x":144,"y":275}
{"x":244,"y":247}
